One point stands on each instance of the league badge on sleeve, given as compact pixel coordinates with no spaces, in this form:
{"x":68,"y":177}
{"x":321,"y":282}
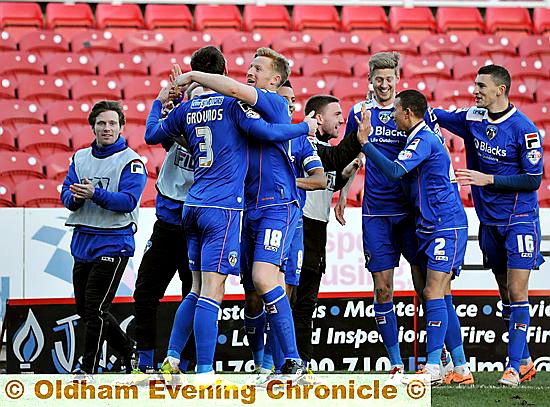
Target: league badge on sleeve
{"x":532,"y":140}
{"x":413,"y":144}
{"x":534,"y":156}
{"x":404,"y":155}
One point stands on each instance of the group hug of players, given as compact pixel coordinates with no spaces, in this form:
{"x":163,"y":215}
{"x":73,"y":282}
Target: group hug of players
{"x":231,"y":193}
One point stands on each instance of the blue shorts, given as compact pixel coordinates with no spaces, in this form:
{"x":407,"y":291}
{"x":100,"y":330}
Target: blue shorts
{"x":293,"y":266}
{"x":213,"y":236}
{"x":511,"y":247}
{"x":385,"y":238}
{"x":267,"y":235}
{"x":443,"y":250}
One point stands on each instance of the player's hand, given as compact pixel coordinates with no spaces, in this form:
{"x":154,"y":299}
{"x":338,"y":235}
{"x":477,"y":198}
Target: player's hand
{"x":311,"y":123}
{"x":339,"y":209}
{"x":364,"y":126}
{"x":471,"y":177}
{"x":175,"y":72}
{"x":183,"y":79}
{"x":163,"y":95}
{"x":83,"y":191}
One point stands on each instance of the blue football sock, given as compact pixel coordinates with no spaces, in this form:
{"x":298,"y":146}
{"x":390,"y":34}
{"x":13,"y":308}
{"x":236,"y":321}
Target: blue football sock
{"x":145,"y":359}
{"x":453,"y":337}
{"x":184,"y":364}
{"x":280,"y":320}
{"x":436,"y":327}
{"x":517,"y":335}
{"x":526,"y":356}
{"x":276,"y":353}
{"x":386,"y":322}
{"x":254,"y":327}
{"x":183,"y":325}
{"x":206,"y":333}
{"x":267,"y":362}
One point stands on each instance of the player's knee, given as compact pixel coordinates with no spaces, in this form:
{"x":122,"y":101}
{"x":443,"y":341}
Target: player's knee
{"x":383,"y":294}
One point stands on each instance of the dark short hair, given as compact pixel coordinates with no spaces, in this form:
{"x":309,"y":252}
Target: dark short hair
{"x":499,"y":74}
{"x":414,"y":101}
{"x":287,"y":84}
{"x":105,"y":106}
{"x":318,"y":103}
{"x":208,"y":59}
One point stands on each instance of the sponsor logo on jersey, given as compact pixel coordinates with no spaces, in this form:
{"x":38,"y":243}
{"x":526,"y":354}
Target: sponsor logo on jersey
{"x":384,"y":116}
{"x":534,"y":156}
{"x":387,"y":132}
{"x":137,"y":168}
{"x":441,"y":258}
{"x":404,"y":155}
{"x":491,"y":131}
{"x":520,"y":326}
{"x":485,"y":147}
{"x":532,"y":140}
{"x":109,"y":259}
{"x":271,"y":309}
{"x":232,"y":257}
{"x":413,"y":144}
{"x":380,"y":319}
{"x":198,"y":103}
{"x":436,"y":324}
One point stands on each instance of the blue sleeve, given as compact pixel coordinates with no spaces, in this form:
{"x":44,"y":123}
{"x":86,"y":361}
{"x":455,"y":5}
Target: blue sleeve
{"x":272,"y":107}
{"x":251,"y":124}
{"x":131,"y":185}
{"x":351,"y":124}
{"x":519,"y":182}
{"x":415,"y":153}
{"x":391,"y":169}
{"x":66,"y":194}
{"x":157,"y":129}
{"x":308,"y":156}
{"x":530,"y":150}
{"x":454,"y":121}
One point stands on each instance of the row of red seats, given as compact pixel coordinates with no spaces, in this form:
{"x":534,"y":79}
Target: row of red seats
{"x":292,"y":44}
{"x":275,"y":17}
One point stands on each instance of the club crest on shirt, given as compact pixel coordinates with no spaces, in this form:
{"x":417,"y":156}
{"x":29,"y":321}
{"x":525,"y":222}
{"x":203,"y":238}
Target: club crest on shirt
{"x":232,"y":257}
{"x":491,"y":131}
{"x":384,"y":116}
{"x":534,"y":156}
{"x":532,"y":140}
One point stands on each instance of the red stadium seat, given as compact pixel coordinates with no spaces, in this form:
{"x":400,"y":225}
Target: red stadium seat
{"x":94,"y":88}
{"x":7,"y":89}
{"x":295,"y":45}
{"x":16,"y":64}
{"x":529,"y":69}
{"x":544,"y":194}
{"x":345,"y":45}
{"x":350,"y":89}
{"x":318,"y":21}
{"x":161,"y":65}
{"x":70,"y":66}
{"x":136,"y":112}
{"x":546,"y":173}
{"x":459,"y":92}
{"x":149,"y":195}
{"x":81,"y":136}
{"x":96,"y":43}
{"x":417,"y":22}
{"x":242,"y":43}
{"x":493,"y":46}
{"x":268,"y":20}
{"x":428,"y":68}
{"x":361,"y":68}
{"x":356,"y":191}
{"x":145,"y":43}
{"x":465,"y":68}
{"x":238,"y":65}
{"x":134,"y":135}
{"x":401,"y":43}
{"x":457,"y":144}
{"x":539,"y":113}
{"x":123,"y":65}
{"x":466,"y":195}
{"x":6,"y":199}
{"x":43,"y":140}
{"x":69,"y":15}
{"x":458,"y":160}
{"x":156,"y":158}
{"x":16,"y":167}
{"x":543,"y":92}
{"x":7,"y":140}
{"x":188,"y":42}
{"x":43,"y":42}
{"x":118,"y":15}
{"x":507,"y":19}
{"x":534,"y":45}
{"x":43,"y":89}
{"x":221,"y":19}
{"x":19,"y":18}
{"x":38,"y":193}
{"x":521,"y":92}
{"x":171,"y":16}
{"x":305,"y":87}
{"x":458,"y":20}
{"x":447,"y":47}
{"x":365,"y":21}
{"x":14,"y":114}
{"x":144,"y":88}
{"x":68,"y":113}
{"x":415,"y":83}
{"x":7,"y":42}
{"x":329,"y":68}
{"x":541,"y":20}
{"x":57,"y":165}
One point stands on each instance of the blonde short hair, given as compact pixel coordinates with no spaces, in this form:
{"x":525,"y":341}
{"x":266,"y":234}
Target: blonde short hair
{"x":279,"y":63}
{"x":385,"y":60}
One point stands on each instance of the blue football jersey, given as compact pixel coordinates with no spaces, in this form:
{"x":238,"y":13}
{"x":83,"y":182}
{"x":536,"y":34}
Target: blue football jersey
{"x":270,"y":179}
{"x":303,"y":155}
{"x":433,"y":187}
{"x":382,"y":196}
{"x":213,"y":126}
{"x":510,"y":145}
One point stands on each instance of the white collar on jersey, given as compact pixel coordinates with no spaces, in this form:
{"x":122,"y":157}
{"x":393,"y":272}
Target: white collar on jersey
{"x":374,"y":103}
{"x":419,"y":126}
{"x":503,"y":118}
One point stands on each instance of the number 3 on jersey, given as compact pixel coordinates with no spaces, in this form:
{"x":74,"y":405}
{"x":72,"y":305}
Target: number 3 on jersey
{"x":206,"y":134}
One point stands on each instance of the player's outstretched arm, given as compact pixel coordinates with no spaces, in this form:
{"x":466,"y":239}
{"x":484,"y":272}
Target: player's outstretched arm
{"x":251,"y":124}
{"x":317,"y":180}
{"x":510,"y":183}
